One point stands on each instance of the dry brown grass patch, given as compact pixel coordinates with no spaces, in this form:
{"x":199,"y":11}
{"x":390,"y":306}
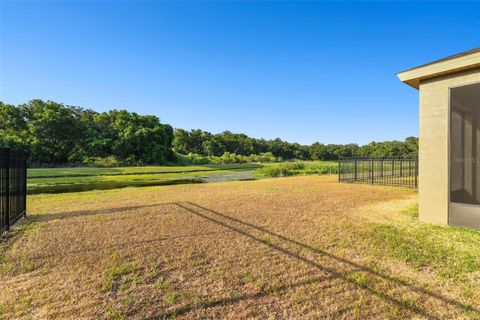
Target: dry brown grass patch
{"x":279,"y":248}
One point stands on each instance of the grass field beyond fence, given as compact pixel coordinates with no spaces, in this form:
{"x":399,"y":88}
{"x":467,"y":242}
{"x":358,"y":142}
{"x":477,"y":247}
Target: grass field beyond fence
{"x":87,"y":171}
{"x":57,"y":180}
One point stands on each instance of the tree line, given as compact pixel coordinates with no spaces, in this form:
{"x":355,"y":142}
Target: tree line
{"x":53,"y":134}
{"x":207,"y":144}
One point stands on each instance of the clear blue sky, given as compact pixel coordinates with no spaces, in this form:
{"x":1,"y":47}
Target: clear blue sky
{"x":303,"y":72}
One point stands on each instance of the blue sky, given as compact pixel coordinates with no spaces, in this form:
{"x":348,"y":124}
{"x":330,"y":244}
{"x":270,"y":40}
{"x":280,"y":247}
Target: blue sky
{"x":301,"y":71}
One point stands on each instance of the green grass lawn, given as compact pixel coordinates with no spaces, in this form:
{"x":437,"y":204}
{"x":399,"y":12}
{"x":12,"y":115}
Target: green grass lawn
{"x":55,"y":180}
{"x":84,"y":171}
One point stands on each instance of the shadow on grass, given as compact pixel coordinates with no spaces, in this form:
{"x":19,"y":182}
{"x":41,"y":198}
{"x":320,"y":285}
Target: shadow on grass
{"x":124,"y":245}
{"x":200,"y":211}
{"x":255,"y":296}
{"x":232,"y":224}
{"x":86,"y":213}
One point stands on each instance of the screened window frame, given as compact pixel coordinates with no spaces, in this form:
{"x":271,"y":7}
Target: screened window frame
{"x":449,"y":156}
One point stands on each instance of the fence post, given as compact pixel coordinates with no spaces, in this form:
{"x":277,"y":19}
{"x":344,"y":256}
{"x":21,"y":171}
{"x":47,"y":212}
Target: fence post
{"x":355,"y":169}
{"x":339,"y":169}
{"x":25,"y":184}
{"x":416,"y":173}
{"x":381,"y":168}
{"x":7,"y":186}
{"x":372,"y":169}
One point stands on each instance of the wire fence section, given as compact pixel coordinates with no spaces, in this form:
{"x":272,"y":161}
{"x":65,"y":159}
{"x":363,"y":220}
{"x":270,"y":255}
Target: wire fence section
{"x":399,"y":172}
{"x":13,"y":187}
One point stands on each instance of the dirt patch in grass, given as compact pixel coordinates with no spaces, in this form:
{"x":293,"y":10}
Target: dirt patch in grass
{"x":302,"y":247}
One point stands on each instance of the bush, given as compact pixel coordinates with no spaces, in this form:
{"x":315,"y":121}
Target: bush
{"x":181,"y":159}
{"x":107,"y":162}
{"x":191,"y":159}
{"x":281,"y":170}
{"x":295,"y":168}
{"x":264,"y":157}
{"x":228,"y":157}
{"x":197,"y":159}
{"x":319,"y":169}
{"x":295,"y":165}
{"x":274,"y":171}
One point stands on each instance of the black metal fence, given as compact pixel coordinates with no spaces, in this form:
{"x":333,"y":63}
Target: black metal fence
{"x":13,"y":187}
{"x":401,"y":172}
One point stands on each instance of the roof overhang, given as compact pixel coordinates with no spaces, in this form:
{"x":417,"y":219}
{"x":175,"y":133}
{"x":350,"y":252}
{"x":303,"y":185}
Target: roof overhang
{"x":452,"y":64}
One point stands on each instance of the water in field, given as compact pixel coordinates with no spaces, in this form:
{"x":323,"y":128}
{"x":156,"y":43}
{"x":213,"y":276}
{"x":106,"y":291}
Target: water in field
{"x":230,"y":176}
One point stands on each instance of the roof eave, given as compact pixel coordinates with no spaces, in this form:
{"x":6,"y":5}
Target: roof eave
{"x":413,"y":77}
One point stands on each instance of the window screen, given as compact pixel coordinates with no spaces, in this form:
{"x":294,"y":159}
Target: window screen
{"x":465,"y":144}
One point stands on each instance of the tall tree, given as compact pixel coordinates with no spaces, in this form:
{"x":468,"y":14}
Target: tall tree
{"x":13,"y":127}
{"x":54,"y":130}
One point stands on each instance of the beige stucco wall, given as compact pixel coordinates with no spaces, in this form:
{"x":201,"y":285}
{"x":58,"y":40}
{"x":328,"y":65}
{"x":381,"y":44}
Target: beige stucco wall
{"x":433,"y":154}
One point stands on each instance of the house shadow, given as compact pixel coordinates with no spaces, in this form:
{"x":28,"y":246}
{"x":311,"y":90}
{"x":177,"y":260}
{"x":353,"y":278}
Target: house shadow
{"x":228,"y":223}
{"x":85,"y":213}
{"x":122,"y":245}
{"x":248,"y":230}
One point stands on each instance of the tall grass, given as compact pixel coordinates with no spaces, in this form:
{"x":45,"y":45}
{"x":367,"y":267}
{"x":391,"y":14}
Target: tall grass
{"x":296,"y":168}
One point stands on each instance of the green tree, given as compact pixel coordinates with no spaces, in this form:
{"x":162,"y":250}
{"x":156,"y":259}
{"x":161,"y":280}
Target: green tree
{"x":13,"y":127}
{"x":54,"y":130}
{"x":55,"y":134}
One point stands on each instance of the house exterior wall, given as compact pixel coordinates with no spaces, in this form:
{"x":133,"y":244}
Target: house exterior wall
{"x":434,"y":144}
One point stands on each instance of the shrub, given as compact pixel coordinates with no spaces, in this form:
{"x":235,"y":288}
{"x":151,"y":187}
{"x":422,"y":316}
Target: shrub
{"x":295,"y":165}
{"x":197,"y":159}
{"x":321,"y":169}
{"x":295,"y":168}
{"x":228,"y":157}
{"x":191,"y":158}
{"x":264,"y":157}
{"x":277,"y":171}
{"x":107,"y":162}
{"x":181,"y":159}
{"x":281,"y":170}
